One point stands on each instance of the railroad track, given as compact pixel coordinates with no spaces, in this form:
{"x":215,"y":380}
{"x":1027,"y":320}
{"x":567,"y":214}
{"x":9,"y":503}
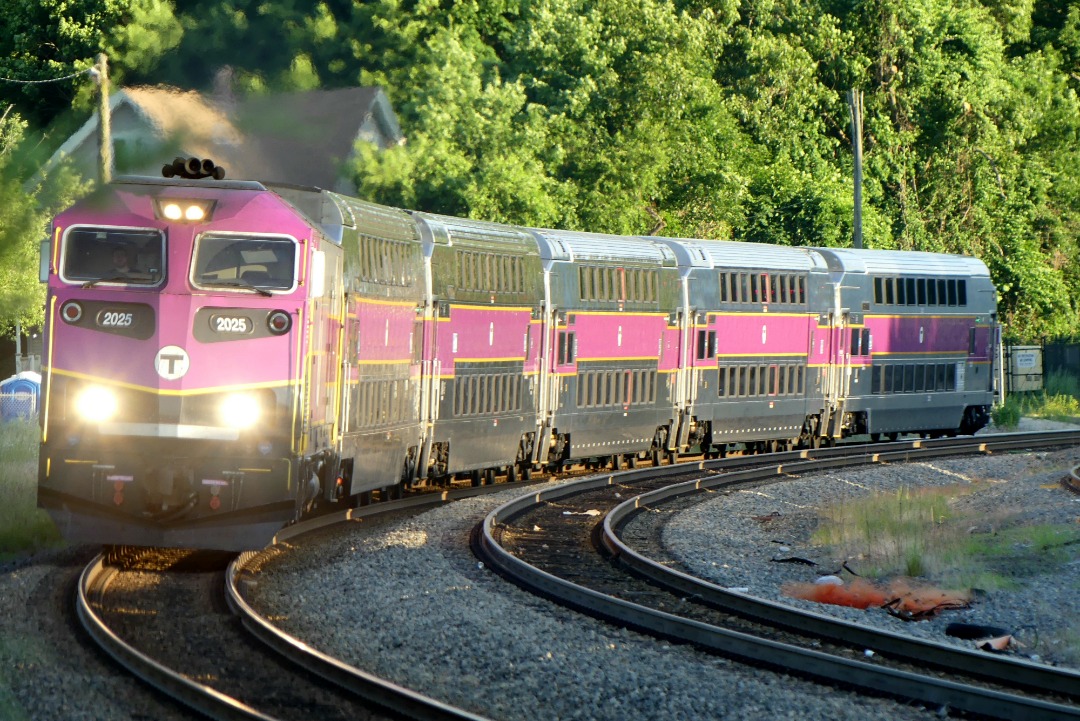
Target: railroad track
{"x":548,"y":542}
{"x":1072,"y":480}
{"x":162,"y":615}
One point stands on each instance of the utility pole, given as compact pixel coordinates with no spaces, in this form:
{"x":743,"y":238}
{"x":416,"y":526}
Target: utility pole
{"x":855,"y":101}
{"x":105,"y":149}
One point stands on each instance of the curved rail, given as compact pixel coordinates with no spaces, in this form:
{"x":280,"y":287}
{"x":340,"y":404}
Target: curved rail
{"x":373,"y":689}
{"x":808,"y":662}
{"x":1072,"y":480}
{"x":1002,"y":669}
{"x":214,"y":704}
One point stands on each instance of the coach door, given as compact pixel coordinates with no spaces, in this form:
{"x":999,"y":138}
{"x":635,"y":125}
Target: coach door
{"x":427,"y":318}
{"x":839,"y":375}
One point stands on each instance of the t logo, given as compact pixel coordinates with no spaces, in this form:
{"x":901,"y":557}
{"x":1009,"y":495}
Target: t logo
{"x":172,"y":362}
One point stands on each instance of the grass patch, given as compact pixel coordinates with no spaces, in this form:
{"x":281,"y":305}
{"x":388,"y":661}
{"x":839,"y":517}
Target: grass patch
{"x":917,"y":532}
{"x":895,"y":533}
{"x":1009,"y":413}
{"x":1059,"y":400}
{"x":23,"y":526}
{"x":922,"y":533}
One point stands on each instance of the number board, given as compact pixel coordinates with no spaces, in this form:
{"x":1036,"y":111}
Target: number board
{"x":133,"y":320}
{"x":220,"y":325}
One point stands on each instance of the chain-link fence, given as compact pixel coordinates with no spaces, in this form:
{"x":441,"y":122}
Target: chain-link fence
{"x":18,"y":404}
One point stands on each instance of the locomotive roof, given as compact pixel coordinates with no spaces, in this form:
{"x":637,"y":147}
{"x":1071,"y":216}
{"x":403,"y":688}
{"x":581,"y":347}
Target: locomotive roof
{"x":902,"y":262}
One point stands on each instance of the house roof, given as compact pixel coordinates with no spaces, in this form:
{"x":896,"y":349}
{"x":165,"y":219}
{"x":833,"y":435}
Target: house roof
{"x":300,"y":138}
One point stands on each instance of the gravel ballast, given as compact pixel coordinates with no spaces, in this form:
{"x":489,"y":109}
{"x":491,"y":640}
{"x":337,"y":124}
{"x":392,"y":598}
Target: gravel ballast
{"x":413,"y":605}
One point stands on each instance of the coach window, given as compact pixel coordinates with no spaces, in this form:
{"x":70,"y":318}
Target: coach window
{"x":888,"y":290}
{"x":952,"y":292}
{"x":566,"y":348}
{"x":922,"y":291}
{"x":961,"y":290}
{"x":879,"y":291}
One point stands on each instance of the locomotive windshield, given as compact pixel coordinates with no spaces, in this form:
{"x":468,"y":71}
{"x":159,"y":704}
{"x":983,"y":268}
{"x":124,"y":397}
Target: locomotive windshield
{"x":113,"y":255}
{"x":235,"y":261}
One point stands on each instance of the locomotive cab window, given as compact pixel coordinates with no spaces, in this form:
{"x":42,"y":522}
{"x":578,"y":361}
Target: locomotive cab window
{"x":245,"y":262}
{"x":131,"y":256}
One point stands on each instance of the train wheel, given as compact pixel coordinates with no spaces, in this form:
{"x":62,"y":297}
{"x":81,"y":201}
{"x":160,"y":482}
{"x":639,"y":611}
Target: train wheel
{"x":526,"y":471}
{"x":655,"y":456}
{"x":616,"y":462}
{"x":631,"y":462}
{"x":511,"y":473}
{"x":892,"y":436}
{"x":489,"y":476}
{"x":474,"y":478}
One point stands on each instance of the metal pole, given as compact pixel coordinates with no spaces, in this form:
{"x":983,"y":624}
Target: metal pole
{"x":855,"y":100}
{"x":105,"y":149}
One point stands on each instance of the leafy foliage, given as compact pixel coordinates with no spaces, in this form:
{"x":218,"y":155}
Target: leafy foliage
{"x":712,"y":118}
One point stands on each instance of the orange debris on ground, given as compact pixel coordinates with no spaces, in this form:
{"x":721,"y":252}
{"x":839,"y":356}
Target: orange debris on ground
{"x":900,"y":597}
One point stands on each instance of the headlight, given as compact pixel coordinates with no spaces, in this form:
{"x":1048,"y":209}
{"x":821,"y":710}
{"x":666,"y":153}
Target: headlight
{"x":183,"y":210}
{"x":240,"y":410}
{"x":96,"y":404}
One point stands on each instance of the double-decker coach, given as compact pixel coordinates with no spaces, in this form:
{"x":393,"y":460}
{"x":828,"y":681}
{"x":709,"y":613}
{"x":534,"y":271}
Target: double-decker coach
{"x":917,"y":334}
{"x":753,"y":369}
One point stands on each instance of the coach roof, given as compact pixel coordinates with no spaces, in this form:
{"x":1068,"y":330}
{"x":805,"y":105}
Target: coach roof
{"x":600,"y":247}
{"x":724,"y":254}
{"x":895,"y":262}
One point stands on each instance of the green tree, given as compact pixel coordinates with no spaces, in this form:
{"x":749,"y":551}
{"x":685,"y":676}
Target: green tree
{"x":24,"y":220}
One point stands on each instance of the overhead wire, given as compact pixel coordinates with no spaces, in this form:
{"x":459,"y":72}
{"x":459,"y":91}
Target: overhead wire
{"x":88,"y":71}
